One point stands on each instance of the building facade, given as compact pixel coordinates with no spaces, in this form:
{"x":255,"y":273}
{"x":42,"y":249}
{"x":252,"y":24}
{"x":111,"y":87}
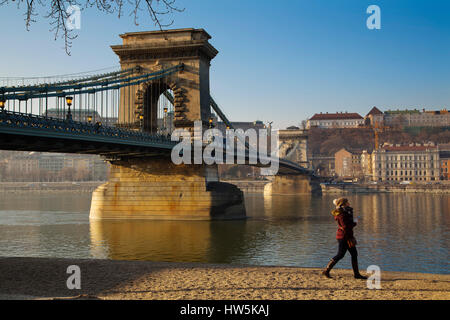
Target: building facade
{"x":445,"y":169}
{"x":416,"y":118}
{"x":348,"y":163}
{"x":36,"y":166}
{"x":444,"y":155}
{"x":366,"y":165}
{"x":335,"y":120}
{"x":397,"y":163}
{"x":374,"y":117}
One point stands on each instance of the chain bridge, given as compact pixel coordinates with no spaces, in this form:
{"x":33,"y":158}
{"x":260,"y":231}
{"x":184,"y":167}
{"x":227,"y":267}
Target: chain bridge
{"x":128,"y":116}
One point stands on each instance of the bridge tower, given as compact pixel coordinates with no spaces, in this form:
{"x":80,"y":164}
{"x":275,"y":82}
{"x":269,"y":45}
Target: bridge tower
{"x":153,"y":51}
{"x":153,"y":187}
{"x":293,"y":146}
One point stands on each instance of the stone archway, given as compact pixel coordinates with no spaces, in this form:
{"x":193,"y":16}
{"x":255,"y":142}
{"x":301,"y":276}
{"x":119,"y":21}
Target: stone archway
{"x":146,"y":103}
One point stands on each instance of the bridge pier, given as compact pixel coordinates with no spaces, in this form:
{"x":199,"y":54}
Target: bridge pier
{"x":155,"y":188}
{"x":293,"y":184}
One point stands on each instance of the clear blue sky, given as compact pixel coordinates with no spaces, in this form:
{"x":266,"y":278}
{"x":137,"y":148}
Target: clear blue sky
{"x":278,"y":61}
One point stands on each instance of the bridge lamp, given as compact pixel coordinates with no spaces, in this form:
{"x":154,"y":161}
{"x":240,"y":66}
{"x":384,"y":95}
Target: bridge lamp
{"x":69,"y":103}
{"x":141,"y":117}
{"x":89,"y":119}
{"x":2,"y":104}
{"x":165,"y":117}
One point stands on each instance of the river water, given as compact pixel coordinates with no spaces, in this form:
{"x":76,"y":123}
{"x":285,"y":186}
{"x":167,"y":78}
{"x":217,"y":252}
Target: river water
{"x":397,"y":232}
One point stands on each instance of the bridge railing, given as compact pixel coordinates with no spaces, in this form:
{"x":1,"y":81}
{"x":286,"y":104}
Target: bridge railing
{"x":105,"y":98}
{"x":16,"y":120}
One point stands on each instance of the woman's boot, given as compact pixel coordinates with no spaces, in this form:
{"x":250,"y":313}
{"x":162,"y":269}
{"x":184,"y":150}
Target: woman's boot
{"x":356,"y":273}
{"x":327,"y":270}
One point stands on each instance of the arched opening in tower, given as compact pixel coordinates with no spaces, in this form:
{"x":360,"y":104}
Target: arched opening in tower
{"x":158,"y":110}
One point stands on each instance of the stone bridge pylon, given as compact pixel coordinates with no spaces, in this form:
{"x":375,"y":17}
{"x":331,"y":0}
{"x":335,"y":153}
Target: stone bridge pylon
{"x":156,"y":50}
{"x":153,"y":187}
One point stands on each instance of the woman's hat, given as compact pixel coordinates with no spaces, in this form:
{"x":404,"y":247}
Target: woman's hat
{"x":341,"y":201}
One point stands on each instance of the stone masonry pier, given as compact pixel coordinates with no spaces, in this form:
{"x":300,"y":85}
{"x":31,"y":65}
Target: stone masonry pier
{"x":155,"y":188}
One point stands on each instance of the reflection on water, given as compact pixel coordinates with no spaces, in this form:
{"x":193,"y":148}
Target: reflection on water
{"x":402,"y":232}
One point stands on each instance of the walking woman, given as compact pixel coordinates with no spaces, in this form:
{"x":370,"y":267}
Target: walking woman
{"x":343,"y":214}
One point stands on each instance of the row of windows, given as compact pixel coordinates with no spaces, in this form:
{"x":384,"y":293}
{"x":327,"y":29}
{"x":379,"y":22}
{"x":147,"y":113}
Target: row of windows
{"x":335,"y":122}
{"x":407,"y":173}
{"x":408,"y":179}
{"x":404,"y":158}
{"x":407,"y":165}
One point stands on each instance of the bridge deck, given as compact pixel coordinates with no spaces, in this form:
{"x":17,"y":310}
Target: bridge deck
{"x":27,"y":132}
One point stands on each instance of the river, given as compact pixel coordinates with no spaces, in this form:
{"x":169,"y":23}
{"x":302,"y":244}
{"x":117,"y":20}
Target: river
{"x":397,"y":232}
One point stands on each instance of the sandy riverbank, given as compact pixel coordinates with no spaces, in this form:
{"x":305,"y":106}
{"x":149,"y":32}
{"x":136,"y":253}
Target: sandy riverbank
{"x":45,"y":278}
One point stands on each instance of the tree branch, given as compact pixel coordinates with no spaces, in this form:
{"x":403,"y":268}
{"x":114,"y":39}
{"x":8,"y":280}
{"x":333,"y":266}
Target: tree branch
{"x":58,"y":15}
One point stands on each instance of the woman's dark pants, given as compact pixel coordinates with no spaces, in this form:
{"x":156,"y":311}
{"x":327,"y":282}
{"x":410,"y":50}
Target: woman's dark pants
{"x":343,"y":247}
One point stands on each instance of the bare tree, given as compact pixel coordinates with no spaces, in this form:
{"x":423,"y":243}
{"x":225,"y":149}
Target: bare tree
{"x":303,"y":124}
{"x":58,"y":12}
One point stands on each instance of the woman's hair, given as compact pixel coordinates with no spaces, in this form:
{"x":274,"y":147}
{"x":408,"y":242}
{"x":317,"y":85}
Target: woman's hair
{"x":341,"y":202}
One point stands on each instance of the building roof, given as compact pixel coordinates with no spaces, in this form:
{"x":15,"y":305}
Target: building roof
{"x":374,"y":111}
{"x":354,"y":151}
{"x":444,"y":146}
{"x":336,"y":116}
{"x":406,"y":111}
{"x":408,"y":148}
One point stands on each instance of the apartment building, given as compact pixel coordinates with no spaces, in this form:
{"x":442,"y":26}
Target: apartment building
{"x":416,"y":118}
{"x":406,"y":163}
{"x":335,"y":120}
{"x":348,"y":163}
{"x":444,"y":155}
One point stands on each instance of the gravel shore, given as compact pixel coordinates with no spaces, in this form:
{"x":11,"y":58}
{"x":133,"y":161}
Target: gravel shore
{"x":45,"y":278}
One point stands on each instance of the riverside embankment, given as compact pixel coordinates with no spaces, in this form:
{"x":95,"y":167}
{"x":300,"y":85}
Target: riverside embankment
{"x":21,"y":187}
{"x":46,"y":278}
{"x":345,"y":188}
{"x":250,"y":186}
{"x":253,"y":186}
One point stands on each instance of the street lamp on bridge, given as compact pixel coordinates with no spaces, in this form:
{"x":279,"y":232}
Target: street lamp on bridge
{"x":69,"y":103}
{"x":2,"y":103}
{"x":164,"y":119}
{"x":210,"y":122}
{"x":141,"y":118}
